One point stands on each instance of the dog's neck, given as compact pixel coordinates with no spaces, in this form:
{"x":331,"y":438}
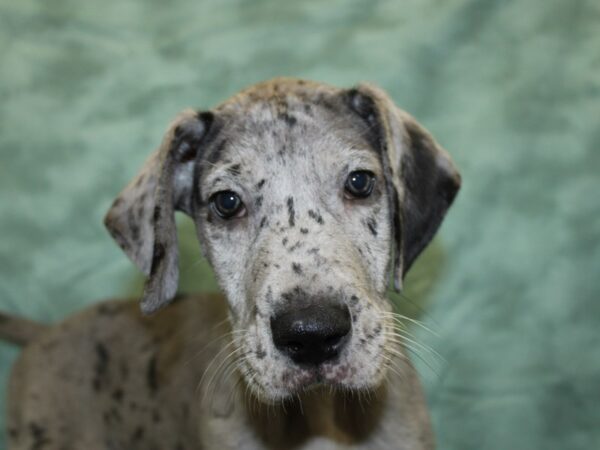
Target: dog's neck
{"x":343,"y":417}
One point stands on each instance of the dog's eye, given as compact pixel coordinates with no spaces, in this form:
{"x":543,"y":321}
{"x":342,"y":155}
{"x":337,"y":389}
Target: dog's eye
{"x":227,"y":204}
{"x":359,"y":184}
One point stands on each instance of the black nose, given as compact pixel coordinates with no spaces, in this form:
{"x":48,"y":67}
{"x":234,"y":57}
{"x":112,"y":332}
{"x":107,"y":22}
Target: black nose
{"x":313,"y":334}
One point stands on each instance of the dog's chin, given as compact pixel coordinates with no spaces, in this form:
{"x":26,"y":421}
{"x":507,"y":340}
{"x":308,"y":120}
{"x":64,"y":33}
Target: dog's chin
{"x":296,"y":381}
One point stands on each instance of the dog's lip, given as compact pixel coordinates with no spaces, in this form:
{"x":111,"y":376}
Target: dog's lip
{"x":307,"y":377}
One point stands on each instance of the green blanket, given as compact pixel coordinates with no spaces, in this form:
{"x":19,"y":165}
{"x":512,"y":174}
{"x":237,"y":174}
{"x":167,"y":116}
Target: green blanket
{"x":512,"y":88}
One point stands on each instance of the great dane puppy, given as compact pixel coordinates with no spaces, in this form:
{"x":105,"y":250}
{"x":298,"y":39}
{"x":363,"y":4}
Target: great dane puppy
{"x":305,"y":197}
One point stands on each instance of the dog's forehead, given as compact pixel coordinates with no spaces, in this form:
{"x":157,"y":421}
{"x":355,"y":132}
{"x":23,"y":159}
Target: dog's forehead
{"x":287,"y":123}
{"x":283,"y":104}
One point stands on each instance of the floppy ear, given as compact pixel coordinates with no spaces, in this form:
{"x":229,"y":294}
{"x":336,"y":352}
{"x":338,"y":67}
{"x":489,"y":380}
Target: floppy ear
{"x":422,"y":179}
{"x":142,"y":217}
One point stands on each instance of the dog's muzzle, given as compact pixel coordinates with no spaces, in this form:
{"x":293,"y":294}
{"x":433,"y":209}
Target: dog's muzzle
{"x":313,"y":334}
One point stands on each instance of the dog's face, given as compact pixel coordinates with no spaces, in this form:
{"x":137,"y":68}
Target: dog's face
{"x":299,"y":192}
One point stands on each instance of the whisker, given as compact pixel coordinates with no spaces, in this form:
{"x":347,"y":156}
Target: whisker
{"x":213,"y":361}
{"x":401,"y":317}
{"x":406,"y":340}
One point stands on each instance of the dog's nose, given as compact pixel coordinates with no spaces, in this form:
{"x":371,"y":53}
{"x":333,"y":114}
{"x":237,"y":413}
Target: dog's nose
{"x":313,"y":334}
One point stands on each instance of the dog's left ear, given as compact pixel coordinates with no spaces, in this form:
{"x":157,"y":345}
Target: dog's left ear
{"x":142,"y":217}
{"x":422,"y":180}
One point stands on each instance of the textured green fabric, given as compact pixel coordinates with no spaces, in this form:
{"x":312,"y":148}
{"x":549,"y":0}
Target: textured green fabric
{"x":511,"y":88}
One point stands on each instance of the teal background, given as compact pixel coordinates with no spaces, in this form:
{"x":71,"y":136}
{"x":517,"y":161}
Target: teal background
{"x":512,"y":89}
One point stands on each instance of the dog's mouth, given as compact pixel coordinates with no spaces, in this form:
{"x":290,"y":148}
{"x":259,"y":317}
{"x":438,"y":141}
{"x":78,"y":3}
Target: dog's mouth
{"x":290,"y":380}
{"x":297,"y":379}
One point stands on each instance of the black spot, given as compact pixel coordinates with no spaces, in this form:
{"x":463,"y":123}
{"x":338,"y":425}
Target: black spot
{"x":397,"y":227}
{"x":39,"y":436}
{"x":372,"y":225}
{"x":117,"y":395}
{"x":304,"y":230}
{"x":289,"y":119}
{"x":157,"y":213}
{"x":157,"y":256}
{"x":100,"y":366}
{"x":234,"y":170}
{"x":215,"y":154}
{"x":205,"y":116}
{"x":133,"y":226}
{"x":284,"y":241}
{"x":366,"y":108}
{"x":291,"y":211}
{"x":263,"y":222}
{"x":260,"y":352}
{"x":295,"y":247}
{"x":138,"y":434}
{"x":297,"y":296}
{"x":297,"y":268}
{"x":353,"y":300}
{"x":152,"y":376}
{"x":316,"y":217}
{"x":327,"y":103}
{"x":259,"y":201}
{"x":261,"y":183}
{"x":156,"y":418}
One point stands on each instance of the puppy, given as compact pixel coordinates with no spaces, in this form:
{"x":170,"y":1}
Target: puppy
{"x":305,"y":197}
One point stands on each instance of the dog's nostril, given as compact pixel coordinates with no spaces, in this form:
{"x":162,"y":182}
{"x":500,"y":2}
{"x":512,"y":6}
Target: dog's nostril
{"x":332,"y":340}
{"x":313,"y":334}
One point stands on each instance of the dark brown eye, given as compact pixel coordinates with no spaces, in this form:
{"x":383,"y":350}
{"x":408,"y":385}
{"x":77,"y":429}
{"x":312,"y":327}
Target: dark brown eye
{"x":227,"y":204}
{"x":359,"y":184}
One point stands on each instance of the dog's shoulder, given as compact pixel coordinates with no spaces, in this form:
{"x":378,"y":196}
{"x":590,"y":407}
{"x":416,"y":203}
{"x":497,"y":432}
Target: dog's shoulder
{"x":126,"y":364}
{"x":113,"y":330}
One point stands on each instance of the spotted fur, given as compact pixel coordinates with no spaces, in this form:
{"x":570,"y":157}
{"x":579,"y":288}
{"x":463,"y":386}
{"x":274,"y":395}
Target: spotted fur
{"x":285,"y":147}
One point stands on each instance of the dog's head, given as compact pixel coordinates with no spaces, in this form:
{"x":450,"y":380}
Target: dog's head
{"x":304,"y":197}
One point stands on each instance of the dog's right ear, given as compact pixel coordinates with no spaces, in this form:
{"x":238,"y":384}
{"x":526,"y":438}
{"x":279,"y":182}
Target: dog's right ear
{"x":142,"y":217}
{"x":422,"y":180}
